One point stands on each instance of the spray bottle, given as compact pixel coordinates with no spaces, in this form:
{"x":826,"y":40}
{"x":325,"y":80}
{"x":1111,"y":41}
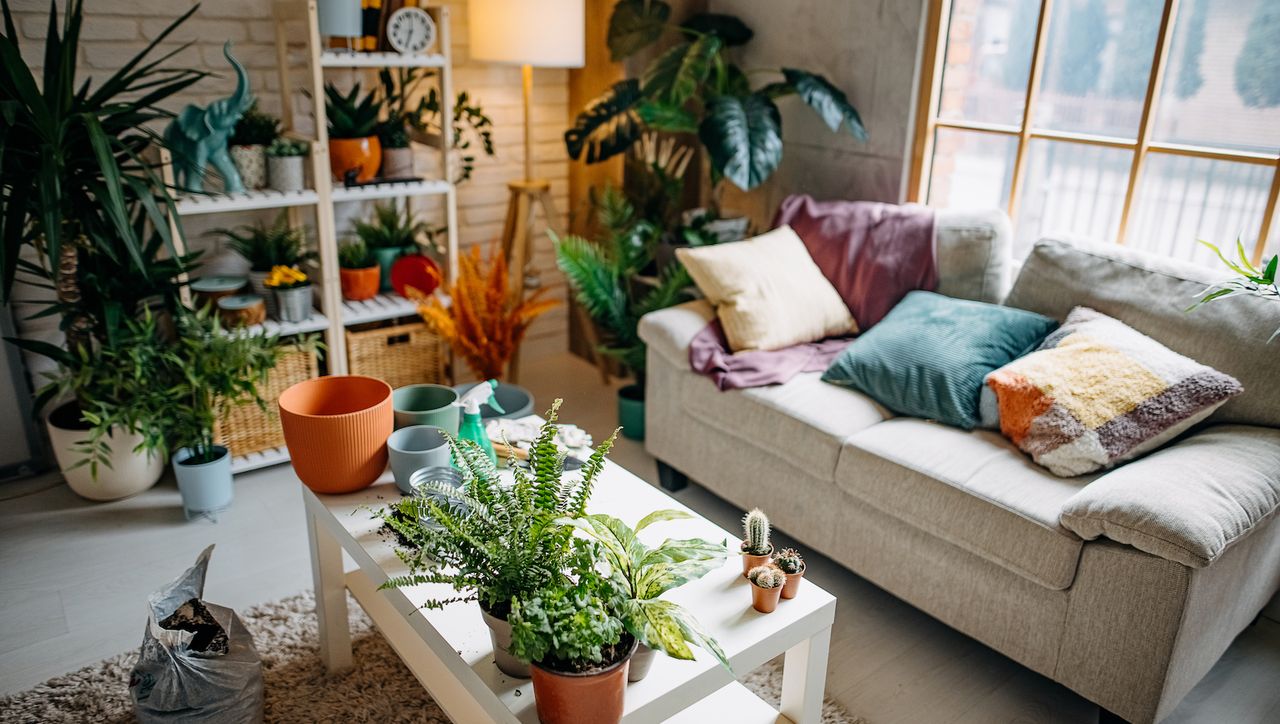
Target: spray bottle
{"x":472,"y":427}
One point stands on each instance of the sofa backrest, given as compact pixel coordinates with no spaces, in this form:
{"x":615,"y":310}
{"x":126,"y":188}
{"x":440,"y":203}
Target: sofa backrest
{"x":974,"y":254}
{"x":1151,"y":294}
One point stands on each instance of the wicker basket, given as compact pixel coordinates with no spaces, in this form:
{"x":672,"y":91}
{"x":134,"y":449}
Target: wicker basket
{"x":402,"y":355}
{"x":246,"y":429}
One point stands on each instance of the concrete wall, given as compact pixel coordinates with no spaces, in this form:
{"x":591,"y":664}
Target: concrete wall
{"x":116,"y":29}
{"x":868,"y":48}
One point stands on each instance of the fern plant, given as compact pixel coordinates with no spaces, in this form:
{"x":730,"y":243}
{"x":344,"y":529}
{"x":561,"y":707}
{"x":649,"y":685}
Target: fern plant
{"x":489,"y":540}
{"x":603,"y":276}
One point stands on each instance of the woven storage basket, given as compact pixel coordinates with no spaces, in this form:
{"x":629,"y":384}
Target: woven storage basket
{"x":407,"y":354}
{"x":247,"y":428}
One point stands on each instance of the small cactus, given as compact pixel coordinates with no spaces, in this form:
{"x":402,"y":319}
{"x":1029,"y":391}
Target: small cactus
{"x":789,"y":560}
{"x":767,"y":576}
{"x":755,"y":526}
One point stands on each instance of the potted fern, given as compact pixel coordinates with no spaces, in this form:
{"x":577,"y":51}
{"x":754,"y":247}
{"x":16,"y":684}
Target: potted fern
{"x":285,"y":168}
{"x":248,"y":145}
{"x":357,"y":271}
{"x":355,"y":153}
{"x":494,"y":542}
{"x":390,"y":234}
{"x":266,"y":247}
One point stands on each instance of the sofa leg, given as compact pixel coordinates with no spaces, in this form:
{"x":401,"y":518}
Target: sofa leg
{"x":670,"y":478}
{"x":1107,"y":717}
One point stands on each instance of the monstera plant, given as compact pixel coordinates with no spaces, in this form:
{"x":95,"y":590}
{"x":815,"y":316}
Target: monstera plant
{"x":695,"y":87}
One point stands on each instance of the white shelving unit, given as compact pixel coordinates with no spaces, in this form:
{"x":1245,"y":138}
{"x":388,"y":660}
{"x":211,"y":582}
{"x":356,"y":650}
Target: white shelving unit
{"x":336,"y":314}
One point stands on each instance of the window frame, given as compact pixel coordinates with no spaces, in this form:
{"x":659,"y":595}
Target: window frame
{"x":933,"y":58}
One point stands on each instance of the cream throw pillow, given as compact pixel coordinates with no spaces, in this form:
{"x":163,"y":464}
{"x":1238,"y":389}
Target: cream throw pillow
{"x":767,"y":291}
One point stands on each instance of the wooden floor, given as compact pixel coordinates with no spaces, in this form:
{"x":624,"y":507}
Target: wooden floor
{"x":74,"y":578}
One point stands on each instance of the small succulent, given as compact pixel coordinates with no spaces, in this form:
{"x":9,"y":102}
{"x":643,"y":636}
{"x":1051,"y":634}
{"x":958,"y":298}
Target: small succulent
{"x":767,"y":576}
{"x":351,"y":116}
{"x":755,"y":527}
{"x":282,"y":147}
{"x":789,"y":560}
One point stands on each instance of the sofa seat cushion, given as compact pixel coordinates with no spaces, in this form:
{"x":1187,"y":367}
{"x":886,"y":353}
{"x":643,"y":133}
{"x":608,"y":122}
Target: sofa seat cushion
{"x":1189,"y":502}
{"x":803,"y":421}
{"x":973,"y":489}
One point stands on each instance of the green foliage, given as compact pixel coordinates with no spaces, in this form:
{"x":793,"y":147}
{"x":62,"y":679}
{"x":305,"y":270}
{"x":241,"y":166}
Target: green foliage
{"x":696,"y":85}
{"x":390,"y":228}
{"x":393,"y":134}
{"x":1249,"y":280}
{"x":755,"y":529}
{"x":355,"y":255}
{"x":489,"y":540}
{"x":266,"y":246}
{"x":767,"y":576}
{"x":789,"y":560}
{"x":1257,"y":69}
{"x":403,"y":98}
{"x":255,"y":128}
{"x":351,"y":116}
{"x":284,"y":147}
{"x":645,"y":573}
{"x":72,"y":166}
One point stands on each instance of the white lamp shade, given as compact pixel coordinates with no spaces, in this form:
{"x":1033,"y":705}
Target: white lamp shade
{"x":544,"y":33}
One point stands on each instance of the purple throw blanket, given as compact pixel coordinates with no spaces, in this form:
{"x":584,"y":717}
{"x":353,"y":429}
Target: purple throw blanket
{"x":872,"y":253}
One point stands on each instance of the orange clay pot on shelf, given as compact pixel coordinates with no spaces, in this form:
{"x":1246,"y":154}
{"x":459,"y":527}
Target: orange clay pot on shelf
{"x":359,"y":284}
{"x":336,"y":429}
{"x":362,"y":154}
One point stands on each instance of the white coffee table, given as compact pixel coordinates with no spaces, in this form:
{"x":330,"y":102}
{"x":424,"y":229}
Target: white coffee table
{"x":449,"y":650}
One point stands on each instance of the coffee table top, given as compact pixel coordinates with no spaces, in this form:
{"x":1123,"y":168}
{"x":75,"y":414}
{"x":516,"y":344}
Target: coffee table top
{"x":721,"y":601}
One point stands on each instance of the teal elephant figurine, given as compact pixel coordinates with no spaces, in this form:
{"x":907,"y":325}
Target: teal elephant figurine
{"x":198,"y":136}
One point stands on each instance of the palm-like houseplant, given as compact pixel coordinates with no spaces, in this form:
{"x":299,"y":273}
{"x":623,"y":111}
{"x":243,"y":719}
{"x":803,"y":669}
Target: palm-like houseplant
{"x":695,"y":87}
{"x":1248,"y":280}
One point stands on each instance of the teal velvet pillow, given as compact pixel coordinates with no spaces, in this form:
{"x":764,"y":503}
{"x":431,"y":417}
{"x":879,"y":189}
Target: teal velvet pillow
{"x":928,"y":356}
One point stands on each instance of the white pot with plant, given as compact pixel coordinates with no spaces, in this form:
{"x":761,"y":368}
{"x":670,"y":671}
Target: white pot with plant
{"x":254,"y":132}
{"x":266,"y":247}
{"x":286,"y":165}
{"x":292,"y":290}
{"x":397,"y":154}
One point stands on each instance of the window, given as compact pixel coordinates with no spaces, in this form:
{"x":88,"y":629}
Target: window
{"x":1152,"y":123}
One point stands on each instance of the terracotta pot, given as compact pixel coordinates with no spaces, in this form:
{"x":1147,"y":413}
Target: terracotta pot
{"x":765,"y":600}
{"x":641,"y":661}
{"x":360,"y":284}
{"x":364,"y":155}
{"x":750,"y":560}
{"x":336,"y":429}
{"x":129,"y":473}
{"x":500,"y":636}
{"x":591,"y":698}
{"x":397,"y":162}
{"x":792,"y":586}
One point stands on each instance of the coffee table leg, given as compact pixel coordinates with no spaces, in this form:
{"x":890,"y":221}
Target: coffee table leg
{"x":331,"y":597}
{"x":804,"y":678}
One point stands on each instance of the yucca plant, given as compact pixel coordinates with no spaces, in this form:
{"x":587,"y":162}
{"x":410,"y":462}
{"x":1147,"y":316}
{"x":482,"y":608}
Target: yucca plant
{"x":351,"y":116}
{"x":492,"y":541}
{"x":390,"y":228}
{"x":266,"y":246}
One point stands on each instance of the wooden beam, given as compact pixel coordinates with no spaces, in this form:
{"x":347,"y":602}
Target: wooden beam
{"x":1029,"y":105}
{"x":932,"y":60}
{"x":1268,"y":217}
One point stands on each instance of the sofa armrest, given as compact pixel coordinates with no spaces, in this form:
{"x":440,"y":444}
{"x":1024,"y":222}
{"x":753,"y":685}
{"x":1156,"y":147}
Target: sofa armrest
{"x":1188,"y":502}
{"x":669,"y":331}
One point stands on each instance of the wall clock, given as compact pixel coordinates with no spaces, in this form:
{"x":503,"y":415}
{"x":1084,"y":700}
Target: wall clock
{"x":411,"y":30}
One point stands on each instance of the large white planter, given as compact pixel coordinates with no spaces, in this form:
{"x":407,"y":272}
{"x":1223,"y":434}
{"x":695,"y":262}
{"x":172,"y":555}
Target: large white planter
{"x":130,"y":473}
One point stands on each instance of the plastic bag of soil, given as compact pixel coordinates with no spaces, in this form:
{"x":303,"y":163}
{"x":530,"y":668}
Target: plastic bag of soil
{"x":197,"y":662}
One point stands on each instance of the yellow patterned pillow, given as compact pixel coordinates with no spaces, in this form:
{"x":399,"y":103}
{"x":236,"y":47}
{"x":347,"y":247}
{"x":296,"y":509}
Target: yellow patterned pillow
{"x":767,"y":291}
{"x":1097,"y":393}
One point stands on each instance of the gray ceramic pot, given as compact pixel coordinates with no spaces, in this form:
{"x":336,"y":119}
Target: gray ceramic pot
{"x":258,"y":283}
{"x":294,"y":304}
{"x":414,"y":448}
{"x":500,"y":634}
{"x":286,"y":173}
{"x":251,"y":162}
{"x":516,"y":400}
{"x":641,"y":660}
{"x":426,"y":404}
{"x":206,"y":487}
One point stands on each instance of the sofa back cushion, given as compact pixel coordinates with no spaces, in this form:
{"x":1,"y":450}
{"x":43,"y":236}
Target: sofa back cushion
{"x":974,"y":254}
{"x":1152,"y":294}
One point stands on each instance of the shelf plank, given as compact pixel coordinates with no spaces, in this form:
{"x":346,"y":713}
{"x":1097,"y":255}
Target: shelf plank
{"x":735,"y":703}
{"x":317,"y":323}
{"x":377,"y":309}
{"x":192,"y":204}
{"x":390,"y":190}
{"x":261,"y":459}
{"x":348,"y":59}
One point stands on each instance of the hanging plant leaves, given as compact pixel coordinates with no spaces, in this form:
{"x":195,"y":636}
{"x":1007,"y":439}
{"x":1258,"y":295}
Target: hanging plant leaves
{"x":694,"y":68}
{"x":666,"y":117}
{"x":661,"y":73}
{"x":608,"y":125}
{"x":828,"y":101}
{"x":743,"y":135}
{"x":635,"y":25}
{"x":728,"y":28}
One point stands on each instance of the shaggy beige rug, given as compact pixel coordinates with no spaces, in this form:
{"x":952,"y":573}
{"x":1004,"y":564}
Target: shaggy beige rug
{"x":379,"y":689}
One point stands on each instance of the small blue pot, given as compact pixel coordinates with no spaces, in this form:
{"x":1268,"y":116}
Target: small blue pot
{"x":206,"y":488}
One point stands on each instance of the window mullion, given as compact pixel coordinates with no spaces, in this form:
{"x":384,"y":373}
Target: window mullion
{"x":1028,"y":106}
{"x":1268,"y":216}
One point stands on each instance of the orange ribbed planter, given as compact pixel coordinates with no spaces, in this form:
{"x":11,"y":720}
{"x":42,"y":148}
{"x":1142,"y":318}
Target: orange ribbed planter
{"x":363,"y":155}
{"x":360,"y":284}
{"x":336,"y":428}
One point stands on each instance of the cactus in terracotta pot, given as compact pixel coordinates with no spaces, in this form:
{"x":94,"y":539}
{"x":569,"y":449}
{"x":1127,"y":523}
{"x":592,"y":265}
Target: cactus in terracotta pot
{"x":766,"y":587}
{"x":791,"y":563}
{"x":756,"y":547}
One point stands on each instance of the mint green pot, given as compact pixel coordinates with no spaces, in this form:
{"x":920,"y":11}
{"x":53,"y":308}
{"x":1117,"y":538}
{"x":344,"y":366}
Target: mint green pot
{"x":386,"y":257}
{"x":631,"y":411}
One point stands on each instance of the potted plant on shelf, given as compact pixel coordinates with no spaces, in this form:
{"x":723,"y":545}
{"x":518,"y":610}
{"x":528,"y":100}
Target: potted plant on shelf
{"x":358,"y":271}
{"x":397,"y":156}
{"x":495,"y":542}
{"x":354,"y":150}
{"x":391,"y":233}
{"x":766,"y":587}
{"x":248,"y":145}
{"x":756,"y":547}
{"x":286,"y":170}
{"x":646,"y":573}
{"x":266,"y":247}
{"x":292,"y":290}
{"x":695,"y":87}
{"x":571,"y":634}
{"x":484,"y":319}
{"x":419,"y":113}
{"x":791,"y":563}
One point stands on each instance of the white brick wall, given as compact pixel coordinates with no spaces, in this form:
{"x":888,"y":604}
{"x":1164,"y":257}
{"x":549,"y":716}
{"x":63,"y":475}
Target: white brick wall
{"x":114,"y":30}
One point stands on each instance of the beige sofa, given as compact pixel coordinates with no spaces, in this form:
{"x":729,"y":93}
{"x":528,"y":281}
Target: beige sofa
{"x":1124,"y":586}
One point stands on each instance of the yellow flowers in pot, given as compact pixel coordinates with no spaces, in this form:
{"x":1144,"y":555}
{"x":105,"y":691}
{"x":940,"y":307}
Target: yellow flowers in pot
{"x":286,"y":277}
{"x":292,"y":289}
